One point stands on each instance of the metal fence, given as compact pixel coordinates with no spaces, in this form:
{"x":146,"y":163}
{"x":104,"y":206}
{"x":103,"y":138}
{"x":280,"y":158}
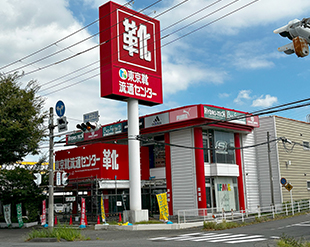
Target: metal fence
{"x":213,"y":214}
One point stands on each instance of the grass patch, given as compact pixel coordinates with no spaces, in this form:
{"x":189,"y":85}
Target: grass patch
{"x":61,"y":232}
{"x":286,"y":241}
{"x":212,"y":225}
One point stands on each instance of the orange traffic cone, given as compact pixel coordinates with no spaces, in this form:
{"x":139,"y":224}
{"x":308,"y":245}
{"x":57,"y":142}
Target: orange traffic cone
{"x":55,"y":223}
{"x":70,"y":222}
{"x":98,"y":220}
{"x":119,"y":217}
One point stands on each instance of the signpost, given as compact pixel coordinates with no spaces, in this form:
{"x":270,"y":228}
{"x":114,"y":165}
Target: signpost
{"x":91,"y":117}
{"x":289,"y":188}
{"x":130,"y":61}
{"x":60,"y":108}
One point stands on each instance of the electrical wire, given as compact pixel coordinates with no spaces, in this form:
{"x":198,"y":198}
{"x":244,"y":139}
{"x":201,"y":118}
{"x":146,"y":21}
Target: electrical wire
{"x":174,"y":39}
{"x":173,"y":7}
{"x":60,"y":40}
{"x":77,"y":54}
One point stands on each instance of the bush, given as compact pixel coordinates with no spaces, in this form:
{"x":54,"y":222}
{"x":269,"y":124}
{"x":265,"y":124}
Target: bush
{"x":62,"y":232}
{"x":212,"y":225}
{"x":286,"y":241}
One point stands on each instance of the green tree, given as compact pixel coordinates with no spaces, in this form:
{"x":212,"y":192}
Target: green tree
{"x":17,"y":186}
{"x":21,"y":119}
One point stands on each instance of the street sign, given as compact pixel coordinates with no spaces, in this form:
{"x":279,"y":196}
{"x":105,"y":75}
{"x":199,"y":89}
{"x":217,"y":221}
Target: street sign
{"x":283,"y":181}
{"x":91,"y":117}
{"x":62,"y":124}
{"x":60,"y":108}
{"x":288,"y":186}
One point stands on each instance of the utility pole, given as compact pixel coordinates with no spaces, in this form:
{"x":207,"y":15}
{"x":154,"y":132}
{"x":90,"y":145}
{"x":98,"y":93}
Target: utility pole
{"x":270,"y":170}
{"x":51,"y":170}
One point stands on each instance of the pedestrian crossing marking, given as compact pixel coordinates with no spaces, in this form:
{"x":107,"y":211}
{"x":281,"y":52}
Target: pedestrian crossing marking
{"x":228,"y":238}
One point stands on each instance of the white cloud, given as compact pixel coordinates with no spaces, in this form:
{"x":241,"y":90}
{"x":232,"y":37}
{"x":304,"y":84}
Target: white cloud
{"x":224,"y":95}
{"x":243,"y":95}
{"x":266,"y":101}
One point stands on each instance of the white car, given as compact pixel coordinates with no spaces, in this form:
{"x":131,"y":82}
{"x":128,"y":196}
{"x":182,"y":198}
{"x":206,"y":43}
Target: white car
{"x":59,"y":208}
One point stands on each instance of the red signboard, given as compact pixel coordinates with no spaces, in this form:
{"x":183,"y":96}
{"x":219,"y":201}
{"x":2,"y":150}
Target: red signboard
{"x":93,"y":135}
{"x":253,"y":121}
{"x":183,"y":114}
{"x":102,"y":160}
{"x":130,"y":55}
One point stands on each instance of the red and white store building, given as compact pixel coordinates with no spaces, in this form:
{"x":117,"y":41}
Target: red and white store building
{"x":194,"y":153}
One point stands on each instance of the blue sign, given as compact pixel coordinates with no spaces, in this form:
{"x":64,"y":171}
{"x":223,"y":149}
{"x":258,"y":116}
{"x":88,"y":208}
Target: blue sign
{"x":283,"y":181}
{"x":60,"y":108}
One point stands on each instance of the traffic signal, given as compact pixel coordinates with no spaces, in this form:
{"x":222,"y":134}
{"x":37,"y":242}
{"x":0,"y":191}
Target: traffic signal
{"x":65,"y":178}
{"x":299,"y":32}
{"x":86,"y":127}
{"x":82,"y":127}
{"x":90,"y":126}
{"x":38,"y":178}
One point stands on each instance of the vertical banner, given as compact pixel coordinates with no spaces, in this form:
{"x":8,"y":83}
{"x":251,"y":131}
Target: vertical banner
{"x":163,"y":206}
{"x":19,"y":215}
{"x":43,"y":219}
{"x":83,"y":214}
{"x":102,"y":210}
{"x":7,"y":213}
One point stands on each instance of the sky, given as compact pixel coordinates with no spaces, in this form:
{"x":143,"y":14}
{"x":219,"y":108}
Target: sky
{"x":226,"y":55}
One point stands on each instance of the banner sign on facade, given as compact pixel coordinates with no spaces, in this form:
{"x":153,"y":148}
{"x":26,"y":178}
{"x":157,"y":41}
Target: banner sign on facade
{"x":19,"y":215}
{"x":163,"y":206}
{"x":99,"y":160}
{"x":112,"y":129}
{"x":7,"y":214}
{"x":130,"y":56}
{"x":231,"y":116}
{"x":43,"y":220}
{"x":156,"y":120}
{"x":76,"y":137}
{"x":183,"y":114}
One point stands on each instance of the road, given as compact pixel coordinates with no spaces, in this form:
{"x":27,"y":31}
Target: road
{"x":258,"y":235}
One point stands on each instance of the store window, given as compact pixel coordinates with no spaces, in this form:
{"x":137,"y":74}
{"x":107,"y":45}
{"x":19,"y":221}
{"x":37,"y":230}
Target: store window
{"x":222,"y":193}
{"x":219,"y":147}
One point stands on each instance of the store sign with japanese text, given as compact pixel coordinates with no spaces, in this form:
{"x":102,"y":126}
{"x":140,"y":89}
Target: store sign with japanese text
{"x":130,"y":55}
{"x":104,"y":161}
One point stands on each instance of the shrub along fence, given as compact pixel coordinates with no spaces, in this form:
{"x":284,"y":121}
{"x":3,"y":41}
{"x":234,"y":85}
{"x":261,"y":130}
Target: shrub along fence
{"x":214,"y":214}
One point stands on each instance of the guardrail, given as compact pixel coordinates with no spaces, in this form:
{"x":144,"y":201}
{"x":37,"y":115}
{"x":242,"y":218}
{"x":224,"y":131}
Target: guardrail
{"x":214,"y":214}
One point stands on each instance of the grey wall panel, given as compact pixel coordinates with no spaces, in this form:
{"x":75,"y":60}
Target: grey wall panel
{"x":267,"y":124}
{"x":250,"y":173}
{"x":183,"y":172}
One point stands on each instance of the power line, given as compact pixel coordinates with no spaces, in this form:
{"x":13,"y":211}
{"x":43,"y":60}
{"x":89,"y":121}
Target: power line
{"x":173,"y":7}
{"x":48,"y":56}
{"x":222,"y":17}
{"x":179,"y":37}
{"x":60,"y":40}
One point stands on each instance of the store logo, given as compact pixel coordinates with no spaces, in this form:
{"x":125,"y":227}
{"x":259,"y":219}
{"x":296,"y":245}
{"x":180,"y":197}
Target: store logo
{"x":221,"y":147}
{"x":223,"y":187}
{"x":186,"y":115}
{"x":123,"y":74}
{"x":157,"y":121}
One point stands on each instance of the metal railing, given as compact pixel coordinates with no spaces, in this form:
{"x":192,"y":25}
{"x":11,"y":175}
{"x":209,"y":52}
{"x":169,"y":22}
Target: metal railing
{"x":213,"y":214}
